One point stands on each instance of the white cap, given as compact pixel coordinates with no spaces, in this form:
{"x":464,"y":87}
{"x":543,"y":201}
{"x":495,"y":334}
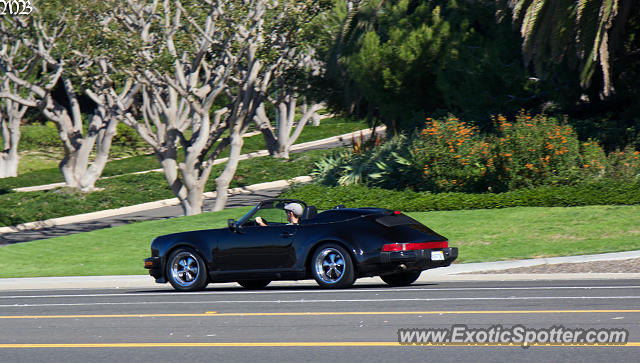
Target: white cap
{"x":296,"y":208}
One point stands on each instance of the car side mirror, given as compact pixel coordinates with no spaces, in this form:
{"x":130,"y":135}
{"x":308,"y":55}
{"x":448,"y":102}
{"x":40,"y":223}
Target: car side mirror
{"x":233,"y":225}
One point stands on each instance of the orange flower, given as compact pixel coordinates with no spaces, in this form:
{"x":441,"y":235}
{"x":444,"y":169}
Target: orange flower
{"x":529,"y":166}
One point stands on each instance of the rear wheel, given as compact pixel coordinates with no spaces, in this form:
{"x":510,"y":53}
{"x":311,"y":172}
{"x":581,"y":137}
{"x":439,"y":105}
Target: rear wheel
{"x":401,"y":278}
{"x":186,"y":270}
{"x":254,"y":284}
{"x":332,"y":267}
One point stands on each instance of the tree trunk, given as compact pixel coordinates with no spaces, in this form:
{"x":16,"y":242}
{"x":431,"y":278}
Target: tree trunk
{"x":102,"y":136}
{"x":8,"y":164}
{"x":10,"y":125}
{"x":264,"y":125}
{"x":193,"y":204}
{"x":223,"y":181}
{"x":77,"y":168}
{"x":280,"y":146}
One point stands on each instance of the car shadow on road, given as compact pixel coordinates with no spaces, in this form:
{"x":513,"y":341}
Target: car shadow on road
{"x":213,"y":288}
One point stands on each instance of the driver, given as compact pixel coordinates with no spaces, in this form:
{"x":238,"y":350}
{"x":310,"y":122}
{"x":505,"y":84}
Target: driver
{"x":293,"y":210}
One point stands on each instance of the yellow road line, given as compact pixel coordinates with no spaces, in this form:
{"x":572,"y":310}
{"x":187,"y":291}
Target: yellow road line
{"x":101,"y":316}
{"x":295,"y":344}
{"x":213,"y":313}
{"x":321,"y":313}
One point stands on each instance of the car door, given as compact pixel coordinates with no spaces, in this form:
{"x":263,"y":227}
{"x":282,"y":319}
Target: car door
{"x":257,"y":247}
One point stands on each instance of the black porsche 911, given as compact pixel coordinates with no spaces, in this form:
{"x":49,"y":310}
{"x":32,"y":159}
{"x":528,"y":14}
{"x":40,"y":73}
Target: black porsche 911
{"x":333,"y":247}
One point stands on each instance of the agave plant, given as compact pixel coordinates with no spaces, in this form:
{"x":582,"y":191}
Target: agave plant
{"x":327,"y":170}
{"x":388,"y":165}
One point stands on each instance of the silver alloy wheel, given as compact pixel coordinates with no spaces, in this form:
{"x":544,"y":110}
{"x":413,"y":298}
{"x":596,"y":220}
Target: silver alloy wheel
{"x":330,"y":265}
{"x":185,"y":268}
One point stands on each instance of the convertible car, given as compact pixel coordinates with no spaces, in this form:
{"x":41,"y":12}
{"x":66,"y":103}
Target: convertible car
{"x":333,"y":247}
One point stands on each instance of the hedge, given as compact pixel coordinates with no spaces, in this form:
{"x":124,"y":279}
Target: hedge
{"x":603,"y":192}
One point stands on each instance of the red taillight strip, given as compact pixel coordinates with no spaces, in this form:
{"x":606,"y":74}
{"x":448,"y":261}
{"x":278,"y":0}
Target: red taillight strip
{"x":394,"y":247}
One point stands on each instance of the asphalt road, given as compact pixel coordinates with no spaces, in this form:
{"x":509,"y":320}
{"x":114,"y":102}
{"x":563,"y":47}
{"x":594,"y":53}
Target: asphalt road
{"x":302,"y":323}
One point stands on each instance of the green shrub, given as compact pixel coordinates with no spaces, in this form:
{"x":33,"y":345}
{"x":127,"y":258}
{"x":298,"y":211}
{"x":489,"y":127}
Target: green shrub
{"x":603,"y":192}
{"x":450,"y":156}
{"x":593,"y":160}
{"x":453,"y":157}
{"x":533,"y":151}
{"x":624,"y":165}
{"x":128,"y":141}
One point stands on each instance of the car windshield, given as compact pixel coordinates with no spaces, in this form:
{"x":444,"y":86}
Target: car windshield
{"x":270,"y":211}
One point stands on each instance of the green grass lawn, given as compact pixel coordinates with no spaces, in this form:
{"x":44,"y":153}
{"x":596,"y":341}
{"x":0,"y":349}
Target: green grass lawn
{"x":533,"y":232}
{"x":481,"y":235}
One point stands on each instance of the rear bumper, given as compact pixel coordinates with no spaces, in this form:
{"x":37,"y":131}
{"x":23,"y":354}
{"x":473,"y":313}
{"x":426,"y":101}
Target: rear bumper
{"x":419,"y":259}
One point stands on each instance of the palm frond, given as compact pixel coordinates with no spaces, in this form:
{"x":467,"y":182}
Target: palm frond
{"x":550,"y":29}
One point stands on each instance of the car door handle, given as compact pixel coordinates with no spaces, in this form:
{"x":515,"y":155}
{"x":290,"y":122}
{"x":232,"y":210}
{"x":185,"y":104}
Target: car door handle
{"x":286,"y":234}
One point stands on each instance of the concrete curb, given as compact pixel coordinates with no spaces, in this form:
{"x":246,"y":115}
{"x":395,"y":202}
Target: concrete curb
{"x":145,"y":206}
{"x":531,"y":277}
{"x":456,"y":272}
{"x":460,"y":268}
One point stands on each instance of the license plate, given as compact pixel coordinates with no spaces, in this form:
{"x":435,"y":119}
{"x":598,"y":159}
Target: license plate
{"x":437,"y":256}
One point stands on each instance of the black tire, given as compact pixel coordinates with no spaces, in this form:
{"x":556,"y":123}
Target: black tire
{"x":332,"y":267}
{"x":254,"y":284}
{"x":186,"y":270}
{"x":401,"y":278}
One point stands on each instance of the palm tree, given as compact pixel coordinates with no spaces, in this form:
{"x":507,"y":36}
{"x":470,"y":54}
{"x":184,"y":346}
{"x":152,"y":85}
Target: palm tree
{"x":584,"y":33}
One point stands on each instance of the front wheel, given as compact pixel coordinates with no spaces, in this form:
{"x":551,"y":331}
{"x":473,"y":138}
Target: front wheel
{"x":186,"y":270}
{"x":401,"y":278}
{"x":332,"y":267}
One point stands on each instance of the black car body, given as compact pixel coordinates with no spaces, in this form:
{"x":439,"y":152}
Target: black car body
{"x":335,"y":247}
